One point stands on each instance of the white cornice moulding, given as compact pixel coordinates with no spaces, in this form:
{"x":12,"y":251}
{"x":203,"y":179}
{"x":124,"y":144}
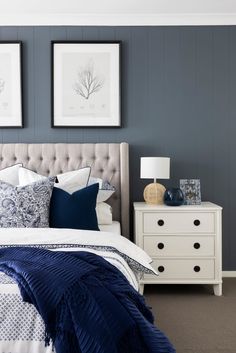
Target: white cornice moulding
{"x":69,"y":19}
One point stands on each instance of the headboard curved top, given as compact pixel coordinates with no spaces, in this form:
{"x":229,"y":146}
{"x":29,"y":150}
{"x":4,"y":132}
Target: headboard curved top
{"x":109,"y":161}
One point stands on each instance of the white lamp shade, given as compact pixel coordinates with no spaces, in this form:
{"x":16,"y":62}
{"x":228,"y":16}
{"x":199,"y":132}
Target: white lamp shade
{"x":155,"y":168}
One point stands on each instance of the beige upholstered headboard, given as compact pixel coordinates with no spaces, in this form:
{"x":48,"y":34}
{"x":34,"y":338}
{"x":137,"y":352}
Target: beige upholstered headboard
{"x":109,"y":161}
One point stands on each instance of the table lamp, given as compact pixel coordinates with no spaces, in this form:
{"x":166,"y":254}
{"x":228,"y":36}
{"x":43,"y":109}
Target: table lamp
{"x":154,"y":168}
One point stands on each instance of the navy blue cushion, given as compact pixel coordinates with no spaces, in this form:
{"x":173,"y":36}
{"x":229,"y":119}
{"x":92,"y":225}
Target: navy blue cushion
{"x":76,"y":211}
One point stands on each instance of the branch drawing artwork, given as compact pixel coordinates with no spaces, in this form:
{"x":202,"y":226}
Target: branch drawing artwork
{"x":2,"y":85}
{"x":88,"y":82}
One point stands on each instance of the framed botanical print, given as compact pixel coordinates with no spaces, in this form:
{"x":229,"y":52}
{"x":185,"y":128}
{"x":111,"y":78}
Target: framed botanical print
{"x":86,"y":84}
{"x":191,"y":189}
{"x":10,"y":84}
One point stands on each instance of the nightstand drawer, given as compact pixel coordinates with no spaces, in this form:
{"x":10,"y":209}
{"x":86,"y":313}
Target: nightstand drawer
{"x":179,"y":246}
{"x":183,"y":269}
{"x":167,"y":223}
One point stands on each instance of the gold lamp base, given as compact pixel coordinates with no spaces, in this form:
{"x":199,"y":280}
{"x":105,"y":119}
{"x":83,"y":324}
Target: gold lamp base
{"x":154,"y":193}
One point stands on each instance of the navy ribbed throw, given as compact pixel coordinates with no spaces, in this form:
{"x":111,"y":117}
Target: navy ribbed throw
{"x":87,"y":305}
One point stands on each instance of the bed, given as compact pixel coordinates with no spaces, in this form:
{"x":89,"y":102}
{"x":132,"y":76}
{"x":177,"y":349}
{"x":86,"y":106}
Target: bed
{"x":21,"y":327}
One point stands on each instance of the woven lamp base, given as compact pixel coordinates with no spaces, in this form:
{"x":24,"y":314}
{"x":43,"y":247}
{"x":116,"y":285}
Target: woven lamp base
{"x":154,"y":194}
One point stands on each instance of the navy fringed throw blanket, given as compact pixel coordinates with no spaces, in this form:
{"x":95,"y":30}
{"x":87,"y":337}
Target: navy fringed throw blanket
{"x":87,"y":305}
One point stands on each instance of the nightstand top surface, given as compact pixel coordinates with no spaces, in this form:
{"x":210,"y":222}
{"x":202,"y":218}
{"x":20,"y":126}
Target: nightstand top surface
{"x":142,"y":206}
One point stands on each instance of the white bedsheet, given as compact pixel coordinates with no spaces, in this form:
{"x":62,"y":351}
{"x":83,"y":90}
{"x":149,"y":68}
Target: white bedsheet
{"x":21,"y":327}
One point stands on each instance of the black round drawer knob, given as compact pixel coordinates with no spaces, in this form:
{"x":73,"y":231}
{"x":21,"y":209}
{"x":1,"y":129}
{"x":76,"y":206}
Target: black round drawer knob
{"x":197,"y":268}
{"x":196,"y":222}
{"x":160,"y":246}
{"x":161,"y":268}
{"x":160,"y":222}
{"x":196,"y":246}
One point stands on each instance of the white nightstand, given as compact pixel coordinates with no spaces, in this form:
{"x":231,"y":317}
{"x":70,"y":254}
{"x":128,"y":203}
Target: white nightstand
{"x":184,"y":242}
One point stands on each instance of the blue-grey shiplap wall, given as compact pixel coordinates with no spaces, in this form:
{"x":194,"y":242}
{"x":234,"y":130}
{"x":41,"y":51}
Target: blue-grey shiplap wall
{"x":178,"y":100}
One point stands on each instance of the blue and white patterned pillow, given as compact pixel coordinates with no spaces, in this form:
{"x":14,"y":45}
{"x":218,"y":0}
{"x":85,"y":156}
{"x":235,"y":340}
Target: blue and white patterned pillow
{"x":25,"y":206}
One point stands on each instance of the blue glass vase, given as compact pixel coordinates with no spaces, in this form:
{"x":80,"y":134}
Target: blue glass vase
{"x":173,"y":197}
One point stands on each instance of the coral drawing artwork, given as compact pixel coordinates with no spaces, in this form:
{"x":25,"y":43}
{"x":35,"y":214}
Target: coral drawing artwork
{"x":86,"y":84}
{"x":88,"y":81}
{"x":2,"y":85}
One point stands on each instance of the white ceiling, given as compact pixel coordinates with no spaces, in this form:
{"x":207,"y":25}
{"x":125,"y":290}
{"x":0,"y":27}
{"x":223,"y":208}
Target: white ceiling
{"x":117,"y":12}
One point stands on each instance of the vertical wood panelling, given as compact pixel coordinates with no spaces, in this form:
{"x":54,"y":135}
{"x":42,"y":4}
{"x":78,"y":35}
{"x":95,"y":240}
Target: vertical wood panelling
{"x":178,"y":100}
{"x":221,"y":127}
{"x":42,"y":83}
{"x":204,"y":108}
{"x":124,"y":34}
{"x":229,"y":237}
{"x":171,"y":114}
{"x":139,"y":69}
{"x":26,"y":35}
{"x":189,"y":120}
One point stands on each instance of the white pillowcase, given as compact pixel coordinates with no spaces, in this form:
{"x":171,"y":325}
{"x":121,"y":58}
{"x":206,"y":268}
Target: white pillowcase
{"x":69,"y":181}
{"x":74,"y":180}
{"x":11,"y":174}
{"x":106,"y":190}
{"x":104,"y":213}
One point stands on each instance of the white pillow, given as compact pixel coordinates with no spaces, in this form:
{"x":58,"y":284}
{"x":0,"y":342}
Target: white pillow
{"x":74,"y":180}
{"x":105,"y":189}
{"x":104,"y":213}
{"x":69,"y":181}
{"x":11,"y":174}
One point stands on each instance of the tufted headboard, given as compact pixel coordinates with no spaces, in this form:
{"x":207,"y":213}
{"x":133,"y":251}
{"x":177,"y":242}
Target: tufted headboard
{"x":109,"y":161}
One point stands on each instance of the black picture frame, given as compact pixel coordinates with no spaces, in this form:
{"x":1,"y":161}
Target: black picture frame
{"x":118,"y":89}
{"x":19,"y":65}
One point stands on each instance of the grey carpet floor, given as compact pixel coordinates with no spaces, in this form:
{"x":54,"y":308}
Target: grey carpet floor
{"x":193,"y":318}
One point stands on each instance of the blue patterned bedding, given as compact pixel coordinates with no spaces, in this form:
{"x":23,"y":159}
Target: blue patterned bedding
{"x":21,"y":328}
{"x":87,"y":305}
